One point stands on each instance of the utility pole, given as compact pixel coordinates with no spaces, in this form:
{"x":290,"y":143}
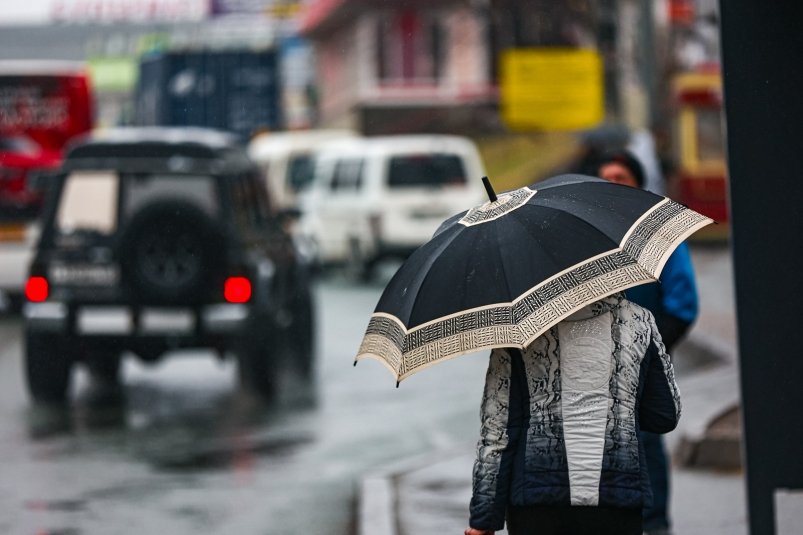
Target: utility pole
{"x":648,"y":61}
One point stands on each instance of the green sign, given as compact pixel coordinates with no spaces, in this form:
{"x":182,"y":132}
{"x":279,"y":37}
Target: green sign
{"x":113,"y":73}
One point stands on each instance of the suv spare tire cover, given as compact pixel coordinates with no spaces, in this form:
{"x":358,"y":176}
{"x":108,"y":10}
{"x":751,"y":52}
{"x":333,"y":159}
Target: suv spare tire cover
{"x":170,"y":252}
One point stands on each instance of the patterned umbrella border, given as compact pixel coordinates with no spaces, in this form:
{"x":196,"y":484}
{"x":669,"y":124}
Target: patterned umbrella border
{"x":639,"y":259}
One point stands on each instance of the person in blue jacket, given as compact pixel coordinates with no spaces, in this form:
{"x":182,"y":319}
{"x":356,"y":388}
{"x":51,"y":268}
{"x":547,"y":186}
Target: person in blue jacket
{"x":674,"y":303}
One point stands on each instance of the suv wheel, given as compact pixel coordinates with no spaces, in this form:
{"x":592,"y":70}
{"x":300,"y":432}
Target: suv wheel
{"x":299,"y":338}
{"x":104,"y":367}
{"x":258,"y":369}
{"x":48,"y":367}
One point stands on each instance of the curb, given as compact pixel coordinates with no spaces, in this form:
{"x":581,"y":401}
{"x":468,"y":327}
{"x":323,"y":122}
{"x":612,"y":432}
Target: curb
{"x":709,"y":434}
{"x":720,"y":447}
{"x":377,"y":506}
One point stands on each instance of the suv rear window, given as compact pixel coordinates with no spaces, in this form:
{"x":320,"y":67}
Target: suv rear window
{"x":88,"y":203}
{"x":426,"y":170}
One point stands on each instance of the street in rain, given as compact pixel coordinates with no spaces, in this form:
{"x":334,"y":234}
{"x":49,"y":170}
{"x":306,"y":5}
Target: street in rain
{"x":219,"y":222}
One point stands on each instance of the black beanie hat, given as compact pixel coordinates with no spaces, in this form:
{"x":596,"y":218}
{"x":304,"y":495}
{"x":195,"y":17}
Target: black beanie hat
{"x":625,"y":158}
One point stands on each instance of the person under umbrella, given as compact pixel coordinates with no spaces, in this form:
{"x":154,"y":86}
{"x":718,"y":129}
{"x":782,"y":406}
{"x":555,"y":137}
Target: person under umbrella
{"x":560,"y":451}
{"x":674,"y":303}
{"x":536,"y":275}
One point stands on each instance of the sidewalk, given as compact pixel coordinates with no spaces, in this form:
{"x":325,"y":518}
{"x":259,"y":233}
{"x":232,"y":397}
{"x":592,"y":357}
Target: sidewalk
{"x":430,"y":494}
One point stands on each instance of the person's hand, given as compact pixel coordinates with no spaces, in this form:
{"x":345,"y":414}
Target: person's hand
{"x":472,"y":531}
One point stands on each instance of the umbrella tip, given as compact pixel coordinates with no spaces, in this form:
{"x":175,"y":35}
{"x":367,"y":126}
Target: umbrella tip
{"x":397,"y":384}
{"x":355,"y":362}
{"x":489,"y":189}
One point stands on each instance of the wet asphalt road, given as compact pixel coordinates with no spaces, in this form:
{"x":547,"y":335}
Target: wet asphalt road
{"x":180,"y":449}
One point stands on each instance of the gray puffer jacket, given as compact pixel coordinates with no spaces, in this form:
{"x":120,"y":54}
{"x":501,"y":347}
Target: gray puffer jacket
{"x":561,"y":419}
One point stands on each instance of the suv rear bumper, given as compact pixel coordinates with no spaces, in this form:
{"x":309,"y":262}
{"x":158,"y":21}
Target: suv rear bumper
{"x":122,"y":322}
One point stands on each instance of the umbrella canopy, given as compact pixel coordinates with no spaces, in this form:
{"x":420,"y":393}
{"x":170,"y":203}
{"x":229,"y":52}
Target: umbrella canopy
{"x":501,"y":274}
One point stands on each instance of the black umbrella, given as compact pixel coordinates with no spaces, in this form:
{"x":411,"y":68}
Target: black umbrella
{"x":501,"y":274}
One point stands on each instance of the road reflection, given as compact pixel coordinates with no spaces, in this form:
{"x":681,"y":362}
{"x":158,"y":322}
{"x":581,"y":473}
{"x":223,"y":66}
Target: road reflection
{"x":185,"y":415}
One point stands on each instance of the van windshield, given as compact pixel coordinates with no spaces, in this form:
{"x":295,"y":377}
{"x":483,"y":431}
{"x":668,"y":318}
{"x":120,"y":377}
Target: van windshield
{"x":426,"y":170}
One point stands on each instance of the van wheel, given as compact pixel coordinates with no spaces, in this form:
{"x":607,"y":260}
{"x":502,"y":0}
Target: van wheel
{"x":359,"y":268}
{"x":48,"y":367}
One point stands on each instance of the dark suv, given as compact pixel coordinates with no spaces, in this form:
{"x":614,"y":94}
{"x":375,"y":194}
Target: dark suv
{"x":156,"y":239}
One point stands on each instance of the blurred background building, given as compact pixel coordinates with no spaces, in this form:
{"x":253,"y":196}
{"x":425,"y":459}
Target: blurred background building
{"x":521,"y":77}
{"x":353,"y":62}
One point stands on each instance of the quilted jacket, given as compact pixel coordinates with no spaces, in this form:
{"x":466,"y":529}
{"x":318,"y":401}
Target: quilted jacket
{"x":560,"y":419}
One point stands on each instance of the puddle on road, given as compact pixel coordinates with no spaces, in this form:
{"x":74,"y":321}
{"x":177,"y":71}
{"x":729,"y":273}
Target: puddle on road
{"x":238,"y":453}
{"x":186,"y":427}
{"x":66,"y":506}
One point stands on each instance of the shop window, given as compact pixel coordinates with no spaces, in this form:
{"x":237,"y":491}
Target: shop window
{"x":409,"y":48}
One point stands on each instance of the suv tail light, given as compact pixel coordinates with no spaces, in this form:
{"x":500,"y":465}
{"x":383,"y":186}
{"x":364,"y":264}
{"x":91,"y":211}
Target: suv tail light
{"x":36,"y":289}
{"x":237,"y":290}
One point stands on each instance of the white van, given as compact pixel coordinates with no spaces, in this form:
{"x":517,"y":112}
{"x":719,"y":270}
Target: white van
{"x":286,"y":161}
{"x":17,"y":243}
{"x":381,"y":197}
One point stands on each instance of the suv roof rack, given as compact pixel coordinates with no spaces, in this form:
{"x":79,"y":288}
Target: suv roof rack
{"x":178,"y":150}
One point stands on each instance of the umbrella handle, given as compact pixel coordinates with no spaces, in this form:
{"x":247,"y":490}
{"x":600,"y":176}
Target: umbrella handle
{"x":489,"y":189}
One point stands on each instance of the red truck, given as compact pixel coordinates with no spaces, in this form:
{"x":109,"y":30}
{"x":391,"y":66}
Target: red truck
{"x":43,"y":104}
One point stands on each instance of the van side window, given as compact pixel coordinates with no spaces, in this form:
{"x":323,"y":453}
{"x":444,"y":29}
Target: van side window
{"x":300,"y":170}
{"x":347,"y":175}
{"x":426,"y":170}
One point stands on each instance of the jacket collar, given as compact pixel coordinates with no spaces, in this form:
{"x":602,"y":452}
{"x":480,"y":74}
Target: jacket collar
{"x":597,"y":308}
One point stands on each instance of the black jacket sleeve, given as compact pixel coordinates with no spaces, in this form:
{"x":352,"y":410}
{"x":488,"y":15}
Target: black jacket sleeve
{"x":659,"y":404}
{"x":672,"y":329}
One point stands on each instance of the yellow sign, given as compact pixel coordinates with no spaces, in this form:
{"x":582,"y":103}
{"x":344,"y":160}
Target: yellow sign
{"x":551,"y":88}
